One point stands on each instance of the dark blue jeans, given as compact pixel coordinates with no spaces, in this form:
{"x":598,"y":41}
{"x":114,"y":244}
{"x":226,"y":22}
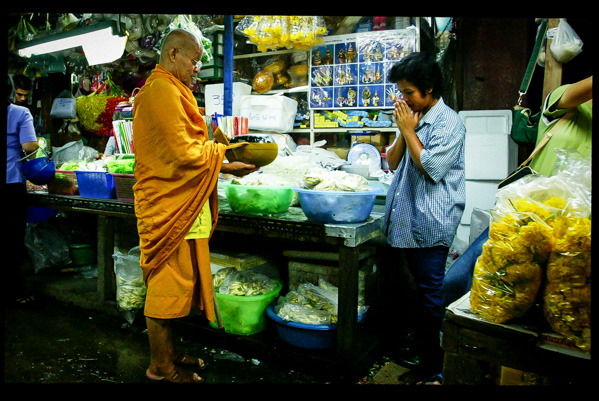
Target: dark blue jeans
{"x":458,"y":278}
{"x":427,"y":265}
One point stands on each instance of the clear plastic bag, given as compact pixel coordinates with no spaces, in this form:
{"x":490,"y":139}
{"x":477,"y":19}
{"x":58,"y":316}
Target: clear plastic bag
{"x":308,"y":304}
{"x":247,"y":283}
{"x":271,"y":32}
{"x":63,"y":106}
{"x":507,"y":275}
{"x":566,"y":44}
{"x":130,"y":286}
{"x":47,"y":245}
{"x":567,"y":293}
{"x":312,"y":304}
{"x":540,"y":223}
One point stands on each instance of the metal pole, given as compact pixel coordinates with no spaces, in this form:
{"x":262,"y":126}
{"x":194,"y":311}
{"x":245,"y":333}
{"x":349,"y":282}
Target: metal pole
{"x":228,"y":67}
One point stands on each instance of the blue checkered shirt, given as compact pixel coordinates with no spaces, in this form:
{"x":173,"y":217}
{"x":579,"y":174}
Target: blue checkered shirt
{"x":421,"y":213}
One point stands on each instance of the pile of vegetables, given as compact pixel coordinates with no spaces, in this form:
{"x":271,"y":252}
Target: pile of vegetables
{"x":244,"y":283}
{"x":321,"y":179}
{"x":312,"y":304}
{"x":122,"y":166}
{"x":109,"y":164}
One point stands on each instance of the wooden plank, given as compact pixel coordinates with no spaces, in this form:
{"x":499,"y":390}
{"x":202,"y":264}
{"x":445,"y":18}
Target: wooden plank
{"x":553,"y":68}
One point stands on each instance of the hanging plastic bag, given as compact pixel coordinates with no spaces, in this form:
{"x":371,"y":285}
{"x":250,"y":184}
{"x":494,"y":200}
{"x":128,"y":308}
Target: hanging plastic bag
{"x":63,"y":106}
{"x":270,"y":32}
{"x":47,"y":245}
{"x":566,"y":44}
{"x":130,"y":286}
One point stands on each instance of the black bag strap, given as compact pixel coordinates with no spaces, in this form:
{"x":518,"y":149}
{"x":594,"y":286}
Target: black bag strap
{"x":541,"y":31}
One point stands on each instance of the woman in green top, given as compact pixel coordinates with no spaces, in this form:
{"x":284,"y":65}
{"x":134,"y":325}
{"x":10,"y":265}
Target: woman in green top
{"x":574,"y":134}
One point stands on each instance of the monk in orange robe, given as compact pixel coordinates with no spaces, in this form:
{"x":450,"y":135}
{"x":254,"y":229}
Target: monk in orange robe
{"x":176,"y":202}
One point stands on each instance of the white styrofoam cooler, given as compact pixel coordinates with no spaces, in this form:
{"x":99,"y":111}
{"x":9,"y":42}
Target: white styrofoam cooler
{"x":490,"y":152}
{"x":489,"y":156}
{"x":269,"y":112}
{"x":480,"y":195}
{"x":215,"y":99}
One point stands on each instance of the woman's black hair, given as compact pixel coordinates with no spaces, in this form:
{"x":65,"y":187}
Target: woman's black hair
{"x":420,"y":69}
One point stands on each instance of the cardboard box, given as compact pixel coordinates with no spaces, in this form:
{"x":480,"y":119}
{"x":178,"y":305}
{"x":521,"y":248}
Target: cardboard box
{"x":380,"y":139}
{"x":341,"y":152}
{"x":239,"y":260}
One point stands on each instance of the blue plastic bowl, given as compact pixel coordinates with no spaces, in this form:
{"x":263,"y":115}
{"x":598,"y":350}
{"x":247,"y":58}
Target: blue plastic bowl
{"x":309,"y":336}
{"x":39,"y":171}
{"x":337,"y":206}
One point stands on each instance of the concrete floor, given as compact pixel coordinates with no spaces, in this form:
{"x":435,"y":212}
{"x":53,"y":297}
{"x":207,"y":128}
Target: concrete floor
{"x":53,"y":340}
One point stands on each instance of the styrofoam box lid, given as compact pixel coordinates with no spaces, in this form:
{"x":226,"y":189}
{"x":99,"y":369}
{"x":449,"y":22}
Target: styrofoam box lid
{"x":487,"y":121}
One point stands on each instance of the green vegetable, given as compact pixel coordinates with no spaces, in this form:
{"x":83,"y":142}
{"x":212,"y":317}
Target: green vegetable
{"x":125,"y":166}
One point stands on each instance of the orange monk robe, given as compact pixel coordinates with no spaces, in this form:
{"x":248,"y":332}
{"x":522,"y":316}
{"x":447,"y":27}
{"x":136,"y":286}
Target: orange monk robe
{"x":176,"y":167}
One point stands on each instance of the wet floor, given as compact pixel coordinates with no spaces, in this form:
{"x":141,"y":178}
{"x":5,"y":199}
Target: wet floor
{"x":52,"y":340}
{"x":49,"y":342}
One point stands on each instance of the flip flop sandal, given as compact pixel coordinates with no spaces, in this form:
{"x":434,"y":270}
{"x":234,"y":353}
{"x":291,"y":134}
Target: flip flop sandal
{"x":433,"y":380}
{"x":189,"y":361}
{"x":177,"y":375}
{"x":25,"y":299}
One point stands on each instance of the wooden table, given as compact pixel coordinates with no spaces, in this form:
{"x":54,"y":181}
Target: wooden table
{"x":292,"y":225}
{"x":471,"y":345}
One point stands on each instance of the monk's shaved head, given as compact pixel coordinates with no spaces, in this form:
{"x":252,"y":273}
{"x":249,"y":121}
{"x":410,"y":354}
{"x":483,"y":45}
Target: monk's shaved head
{"x":178,"y":38}
{"x":180,"y":54}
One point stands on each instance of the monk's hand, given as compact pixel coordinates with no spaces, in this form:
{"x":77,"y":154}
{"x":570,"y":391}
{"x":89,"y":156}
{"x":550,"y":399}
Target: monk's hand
{"x":237,"y":168}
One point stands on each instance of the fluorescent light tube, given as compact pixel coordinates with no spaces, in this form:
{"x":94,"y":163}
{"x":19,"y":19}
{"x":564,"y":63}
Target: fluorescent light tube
{"x":100,"y":45}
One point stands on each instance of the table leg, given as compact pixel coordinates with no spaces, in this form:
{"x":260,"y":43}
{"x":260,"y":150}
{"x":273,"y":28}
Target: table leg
{"x":106,"y":277}
{"x":348,"y":305}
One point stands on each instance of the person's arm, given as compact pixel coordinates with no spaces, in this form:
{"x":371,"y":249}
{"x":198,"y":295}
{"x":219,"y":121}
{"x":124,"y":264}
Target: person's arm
{"x":395,"y":152}
{"x":576,"y":94}
{"x":237,"y":168}
{"x":406,"y":123}
{"x":30,"y":148}
{"x":27,"y":134}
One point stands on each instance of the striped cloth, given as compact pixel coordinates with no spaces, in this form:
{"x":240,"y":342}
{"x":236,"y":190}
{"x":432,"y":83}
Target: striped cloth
{"x":420,"y":213}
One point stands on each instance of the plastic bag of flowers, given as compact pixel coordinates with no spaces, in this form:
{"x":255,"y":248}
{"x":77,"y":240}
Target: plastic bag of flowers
{"x":508,"y":274}
{"x":540,"y":223}
{"x":567,"y":292}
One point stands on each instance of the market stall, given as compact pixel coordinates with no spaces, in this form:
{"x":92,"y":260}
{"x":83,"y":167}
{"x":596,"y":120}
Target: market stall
{"x":293,"y":226}
{"x":318,"y":108}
